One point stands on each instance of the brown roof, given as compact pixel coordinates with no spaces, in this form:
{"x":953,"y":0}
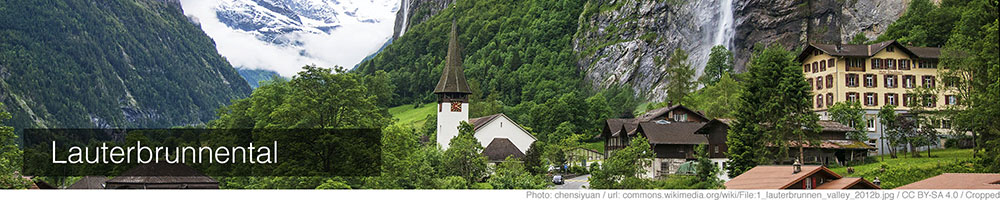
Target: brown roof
{"x":847,"y":183}
{"x":616,"y":125}
{"x":649,"y":115}
{"x":775,"y":177}
{"x":926,"y":52}
{"x":162,"y":174}
{"x":855,"y":50}
{"x":829,"y":125}
{"x":957,"y":181}
{"x":834,"y":144}
{"x":89,"y":182}
{"x":453,"y":76}
{"x":500,"y":148}
{"x":673,"y":132}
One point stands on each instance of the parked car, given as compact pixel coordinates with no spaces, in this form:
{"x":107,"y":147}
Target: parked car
{"x":558,"y":180}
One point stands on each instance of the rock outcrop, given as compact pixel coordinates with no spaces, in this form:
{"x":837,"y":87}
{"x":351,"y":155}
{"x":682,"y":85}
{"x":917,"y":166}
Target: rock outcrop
{"x":412,"y":12}
{"x":629,"y":41}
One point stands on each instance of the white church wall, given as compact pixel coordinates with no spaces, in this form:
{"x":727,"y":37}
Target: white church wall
{"x":502,"y":127}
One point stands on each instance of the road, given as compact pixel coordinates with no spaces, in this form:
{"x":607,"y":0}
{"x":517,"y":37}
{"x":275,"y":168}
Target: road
{"x":576,"y":183}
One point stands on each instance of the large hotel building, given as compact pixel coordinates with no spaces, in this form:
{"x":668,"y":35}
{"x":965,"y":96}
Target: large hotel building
{"x":875,"y":75}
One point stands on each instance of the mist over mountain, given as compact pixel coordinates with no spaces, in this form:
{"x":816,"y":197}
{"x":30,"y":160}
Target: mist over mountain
{"x":284,"y":35}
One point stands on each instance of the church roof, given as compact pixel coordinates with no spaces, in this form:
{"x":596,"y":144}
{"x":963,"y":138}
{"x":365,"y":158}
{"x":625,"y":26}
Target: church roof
{"x":453,"y":76}
{"x":500,"y":148}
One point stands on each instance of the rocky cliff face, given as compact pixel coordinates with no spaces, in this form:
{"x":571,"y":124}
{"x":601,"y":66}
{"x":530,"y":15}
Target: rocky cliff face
{"x":629,"y":41}
{"x":412,"y":12}
{"x":793,"y":23}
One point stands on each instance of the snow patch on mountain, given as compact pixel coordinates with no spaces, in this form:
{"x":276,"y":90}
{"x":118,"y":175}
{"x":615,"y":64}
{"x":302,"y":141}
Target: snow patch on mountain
{"x":284,"y":35}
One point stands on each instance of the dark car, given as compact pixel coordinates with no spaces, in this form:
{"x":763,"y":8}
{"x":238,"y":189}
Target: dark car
{"x":558,"y":180}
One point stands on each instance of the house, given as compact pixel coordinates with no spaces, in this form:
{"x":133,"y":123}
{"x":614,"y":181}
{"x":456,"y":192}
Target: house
{"x":874,"y":75}
{"x":499,"y":135}
{"x":957,"y":181}
{"x":162,"y":176}
{"x":673,"y":133}
{"x":833,"y":146}
{"x":796,"y":177}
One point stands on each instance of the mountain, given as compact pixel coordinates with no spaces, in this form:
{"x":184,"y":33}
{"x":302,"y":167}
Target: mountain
{"x":629,"y":42}
{"x":413,"y":12}
{"x":110,"y":63}
{"x":255,"y":76}
{"x":284,"y":35}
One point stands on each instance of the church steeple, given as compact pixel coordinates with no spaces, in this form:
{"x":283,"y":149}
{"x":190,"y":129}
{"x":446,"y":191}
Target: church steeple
{"x":452,"y":86}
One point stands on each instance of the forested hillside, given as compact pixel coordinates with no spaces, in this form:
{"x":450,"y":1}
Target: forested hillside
{"x":109,"y":63}
{"x":518,"y":59}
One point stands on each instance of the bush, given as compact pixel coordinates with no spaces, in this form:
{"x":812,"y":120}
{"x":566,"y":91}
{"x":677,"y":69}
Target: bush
{"x":450,"y":182}
{"x":574,"y":169}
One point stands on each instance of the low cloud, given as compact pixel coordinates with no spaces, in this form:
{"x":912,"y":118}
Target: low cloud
{"x":345,"y":46}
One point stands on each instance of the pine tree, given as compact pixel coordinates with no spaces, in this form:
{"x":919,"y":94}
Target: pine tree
{"x":773,"y":111}
{"x":720,"y":62}
{"x":681,"y":75}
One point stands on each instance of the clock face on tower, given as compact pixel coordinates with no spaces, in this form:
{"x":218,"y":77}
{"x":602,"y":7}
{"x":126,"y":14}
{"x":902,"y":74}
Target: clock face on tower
{"x":456,"y":106}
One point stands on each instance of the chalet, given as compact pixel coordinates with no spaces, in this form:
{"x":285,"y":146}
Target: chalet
{"x":796,"y":177}
{"x":162,"y":176}
{"x":500,"y":136}
{"x":89,"y":182}
{"x":833,"y":146}
{"x":956,"y":181}
{"x":673,"y":133}
{"x":583,"y":157}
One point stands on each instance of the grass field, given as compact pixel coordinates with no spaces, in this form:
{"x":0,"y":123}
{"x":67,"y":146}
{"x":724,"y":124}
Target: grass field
{"x":407,"y":115}
{"x":905,"y":169}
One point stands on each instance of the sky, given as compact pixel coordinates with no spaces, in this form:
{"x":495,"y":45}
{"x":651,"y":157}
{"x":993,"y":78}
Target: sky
{"x":345,"y":46}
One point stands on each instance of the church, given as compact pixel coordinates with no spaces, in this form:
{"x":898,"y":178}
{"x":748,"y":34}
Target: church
{"x":500,"y":135}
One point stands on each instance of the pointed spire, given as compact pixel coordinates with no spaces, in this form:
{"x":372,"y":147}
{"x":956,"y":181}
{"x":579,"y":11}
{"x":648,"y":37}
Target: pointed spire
{"x":453,"y":76}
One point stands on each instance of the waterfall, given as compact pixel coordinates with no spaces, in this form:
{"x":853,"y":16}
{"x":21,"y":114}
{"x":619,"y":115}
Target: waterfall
{"x":406,"y":16}
{"x":724,"y":31}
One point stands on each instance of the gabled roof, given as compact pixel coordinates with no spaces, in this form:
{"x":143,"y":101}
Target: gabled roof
{"x":829,"y":125}
{"x":650,"y":115}
{"x":500,"y":148}
{"x":89,"y":182}
{"x":776,"y":177}
{"x":618,"y":126}
{"x":673,"y":132}
{"x":480,"y":122}
{"x":453,"y":76}
{"x":161,"y":173}
{"x":847,"y":183}
{"x":856,"y":50}
{"x":957,"y":181}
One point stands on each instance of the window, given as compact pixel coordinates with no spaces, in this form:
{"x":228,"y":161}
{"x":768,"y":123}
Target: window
{"x":716,"y":148}
{"x":819,"y":83}
{"x":855,"y":64}
{"x":808,"y":183}
{"x":852,"y":80}
{"x":805,"y":68}
{"x":831,"y":63}
{"x":890,"y":99}
{"x":928,"y":65}
{"x":870,"y":81}
{"x":810,"y":80}
{"x":945,"y":124}
{"x":852,"y":96}
{"x":909,"y":81}
{"x":829,"y":81}
{"x":951,"y":100}
{"x":829,"y":99}
{"x":819,"y":101}
{"x":907,"y":100}
{"x":871,"y":123}
{"x":680,"y":117}
{"x":904,"y":64}
{"x":870,"y":99}
{"x":815,"y":67}
{"x":928,"y":81}
{"x":876,"y":63}
{"x":890,"y":81}
{"x":889,"y":49}
{"x":930,"y":101}
{"x":890,"y":64}
{"x":822,"y":66}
